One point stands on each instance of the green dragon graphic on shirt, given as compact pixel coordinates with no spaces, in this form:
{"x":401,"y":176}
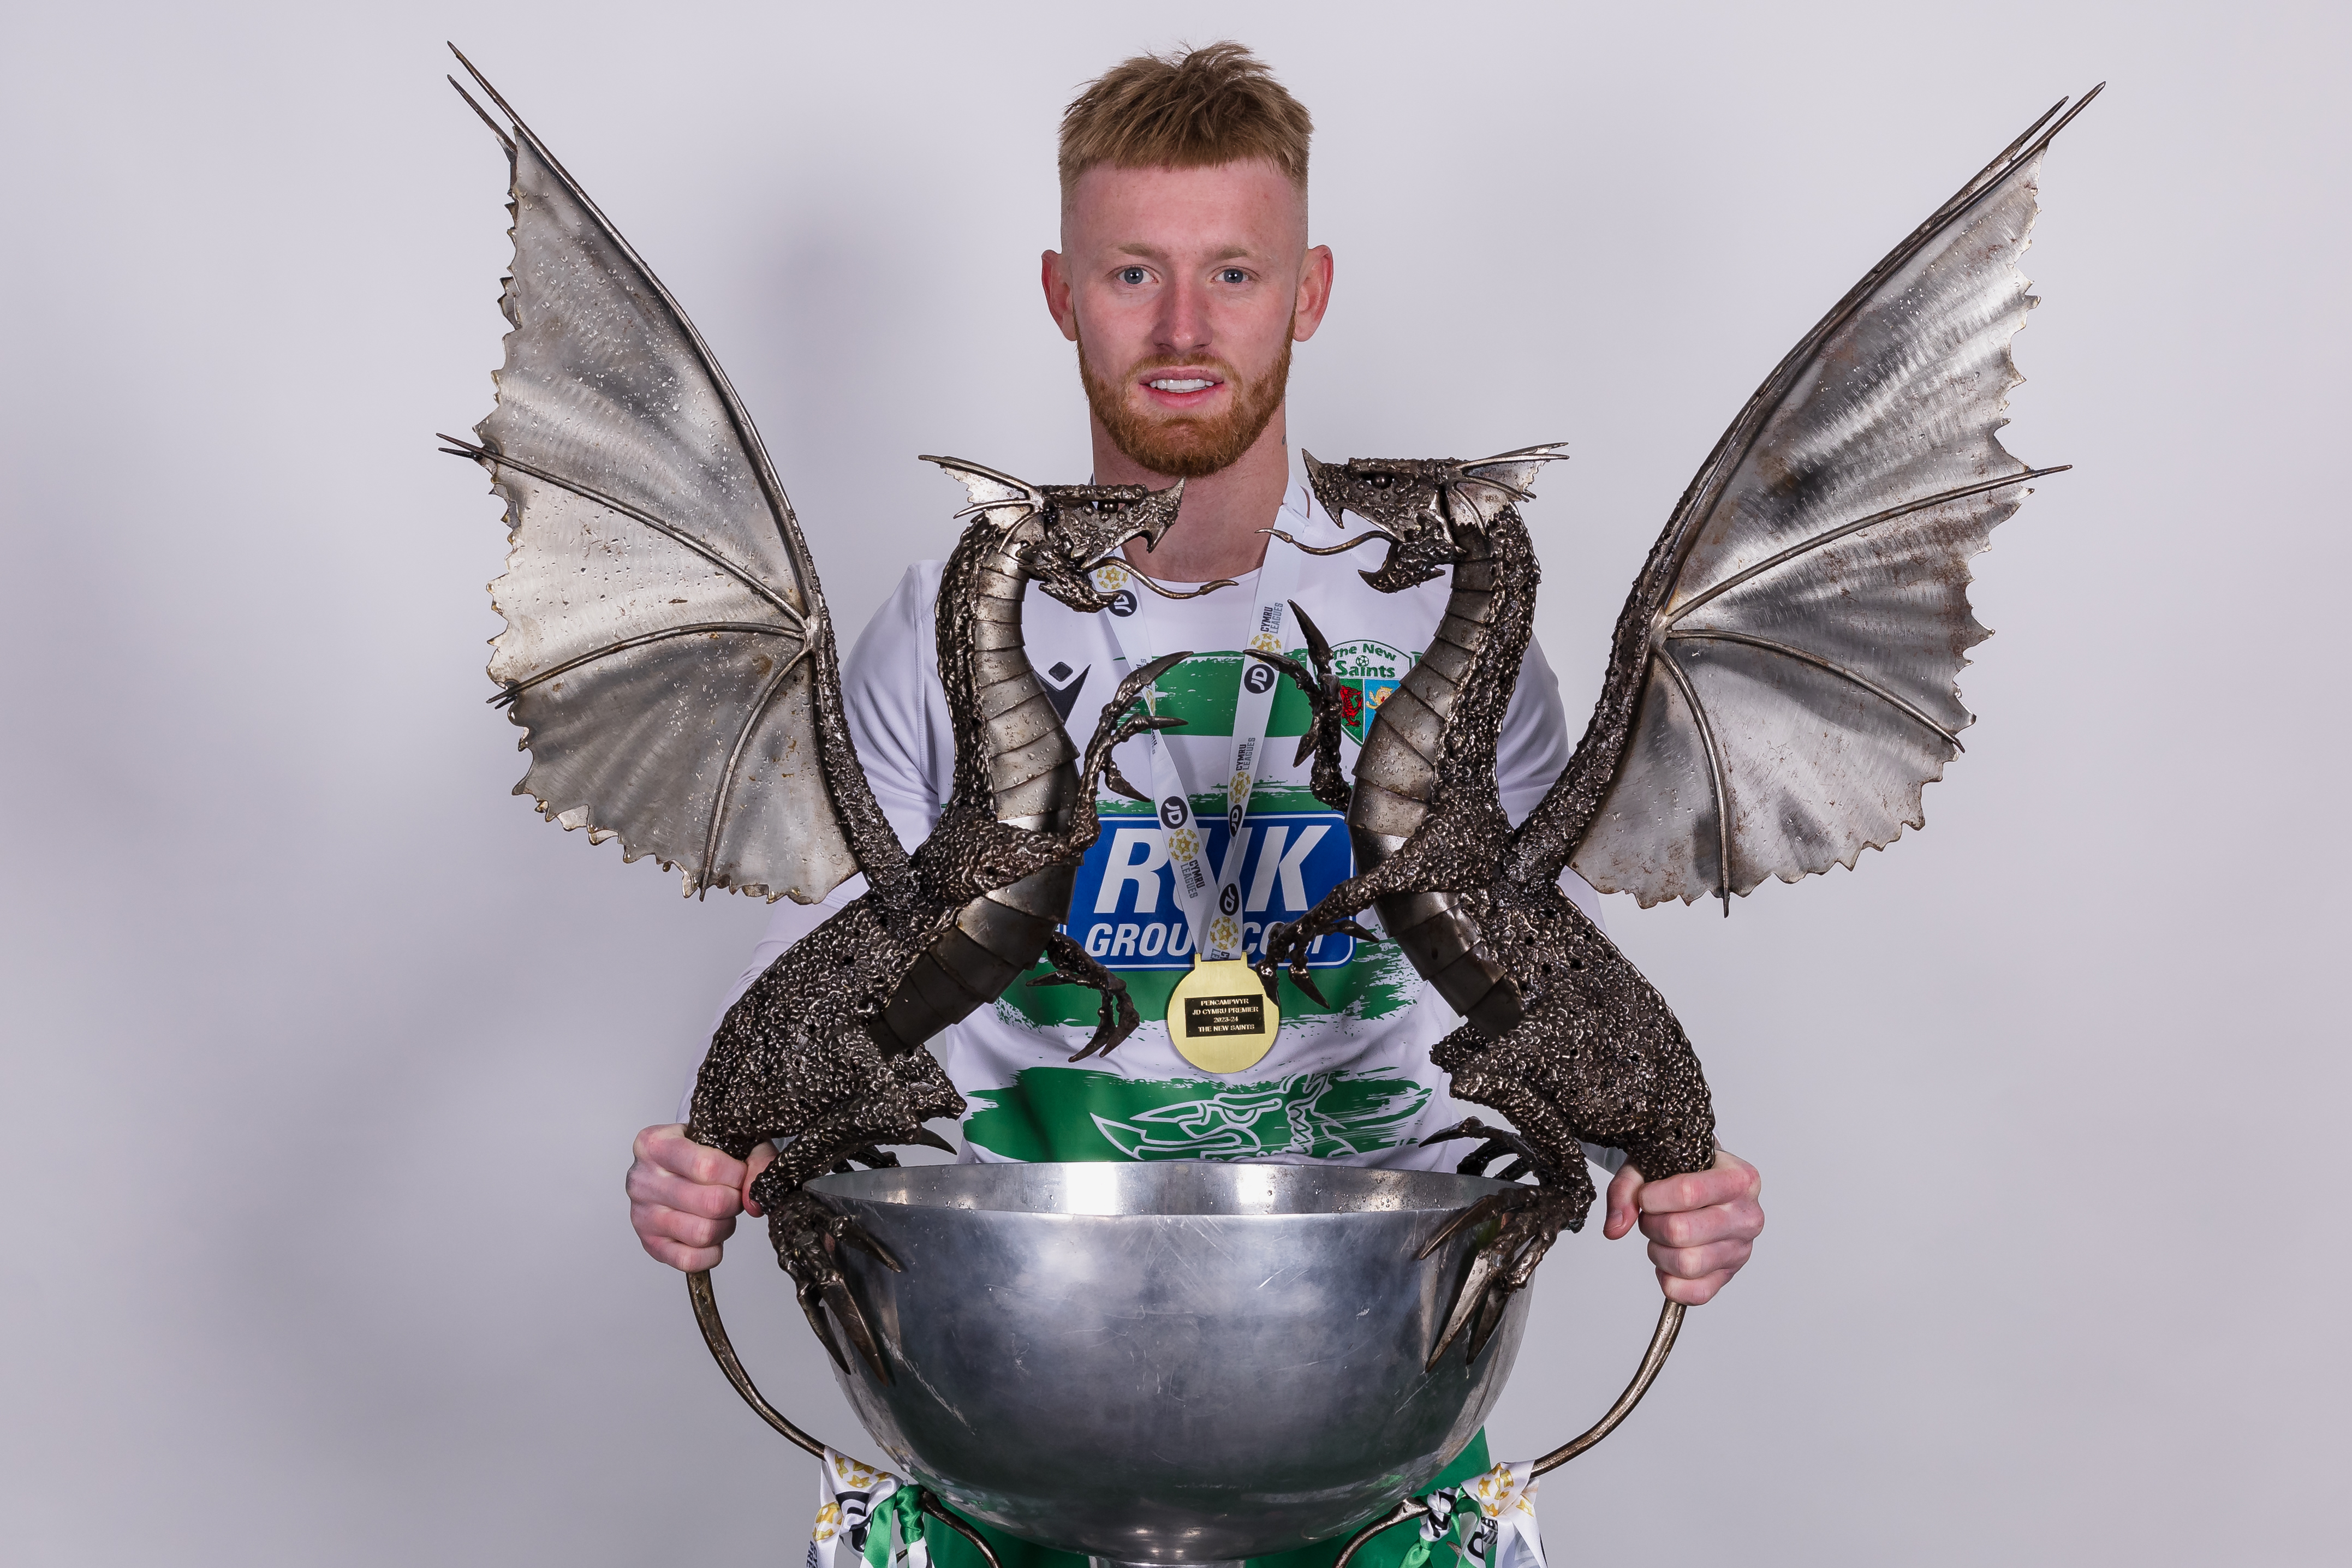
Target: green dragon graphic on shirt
{"x":1079,"y":1113}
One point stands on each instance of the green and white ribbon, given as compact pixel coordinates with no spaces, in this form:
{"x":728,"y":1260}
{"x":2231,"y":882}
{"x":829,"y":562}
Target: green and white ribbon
{"x":1488,"y":1522}
{"x":866,"y":1518}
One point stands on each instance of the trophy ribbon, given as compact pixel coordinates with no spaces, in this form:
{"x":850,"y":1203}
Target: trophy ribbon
{"x":1219,"y":1017}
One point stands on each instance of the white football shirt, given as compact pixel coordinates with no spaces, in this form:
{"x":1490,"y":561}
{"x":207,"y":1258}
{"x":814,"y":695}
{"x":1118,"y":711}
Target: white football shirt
{"x":1350,"y":1081}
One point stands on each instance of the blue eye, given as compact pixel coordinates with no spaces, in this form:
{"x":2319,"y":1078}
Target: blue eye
{"x":1131,"y":276}
{"x":1233,"y":275}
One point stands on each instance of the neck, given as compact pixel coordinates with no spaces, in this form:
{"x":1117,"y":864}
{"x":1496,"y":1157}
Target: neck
{"x":1218,"y":532}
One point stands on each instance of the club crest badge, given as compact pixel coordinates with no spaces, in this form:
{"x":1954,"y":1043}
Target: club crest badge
{"x":1368,"y":671}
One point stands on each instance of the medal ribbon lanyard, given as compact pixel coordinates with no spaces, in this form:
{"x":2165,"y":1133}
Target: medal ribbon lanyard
{"x":1211,"y":901}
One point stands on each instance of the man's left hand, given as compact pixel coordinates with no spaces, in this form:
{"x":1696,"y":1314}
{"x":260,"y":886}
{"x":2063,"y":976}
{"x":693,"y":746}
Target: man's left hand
{"x":1701,"y":1226}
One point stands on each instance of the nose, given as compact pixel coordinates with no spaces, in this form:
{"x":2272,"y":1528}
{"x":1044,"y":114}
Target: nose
{"x":1182,"y":328}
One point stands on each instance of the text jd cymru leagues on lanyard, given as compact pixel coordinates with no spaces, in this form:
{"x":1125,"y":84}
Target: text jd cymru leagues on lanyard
{"x":1219,"y":1017}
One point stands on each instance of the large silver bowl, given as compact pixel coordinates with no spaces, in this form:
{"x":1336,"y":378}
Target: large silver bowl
{"x":1166,"y":1362}
{"x":1163,"y":1364}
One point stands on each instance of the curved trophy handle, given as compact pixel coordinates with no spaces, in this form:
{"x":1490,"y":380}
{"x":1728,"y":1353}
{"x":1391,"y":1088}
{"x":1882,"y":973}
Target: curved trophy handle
{"x":1653,"y":1360}
{"x":722,"y":1350}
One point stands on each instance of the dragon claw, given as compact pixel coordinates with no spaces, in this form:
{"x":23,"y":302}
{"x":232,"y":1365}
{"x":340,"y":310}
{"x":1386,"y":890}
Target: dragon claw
{"x":1284,"y":953}
{"x":1319,"y":647}
{"x":1107,"y":766}
{"x":1112,"y":731}
{"x":1524,"y":1222}
{"x":1115,"y":1021}
{"x":1490,"y":1318}
{"x":1468,"y":1127}
{"x":1498,"y":1142}
{"x":858,"y":1237}
{"x":1287,"y":665}
{"x":846,"y":1311}
{"x":807,"y":1296}
{"x":808,"y":1238}
{"x":1482,"y":1209}
{"x":1118,"y":780}
{"x":1468,"y":1301}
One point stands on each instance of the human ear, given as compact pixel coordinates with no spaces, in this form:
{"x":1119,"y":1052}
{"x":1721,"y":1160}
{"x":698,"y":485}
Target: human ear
{"x":1054,"y":274}
{"x":1314,"y":293}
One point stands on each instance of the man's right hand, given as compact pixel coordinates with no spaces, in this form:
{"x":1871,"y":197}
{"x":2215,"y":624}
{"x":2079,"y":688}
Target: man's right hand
{"x":683,"y":1196}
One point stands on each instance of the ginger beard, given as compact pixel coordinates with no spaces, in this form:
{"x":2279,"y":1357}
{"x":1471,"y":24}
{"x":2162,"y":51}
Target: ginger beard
{"x":1186,"y":445}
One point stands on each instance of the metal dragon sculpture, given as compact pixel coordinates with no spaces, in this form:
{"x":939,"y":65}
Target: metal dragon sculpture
{"x":1780,"y":689}
{"x":668,"y":655}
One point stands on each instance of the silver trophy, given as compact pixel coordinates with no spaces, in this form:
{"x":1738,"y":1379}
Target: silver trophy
{"x":1186,"y":1361}
{"x":1178,"y":1361}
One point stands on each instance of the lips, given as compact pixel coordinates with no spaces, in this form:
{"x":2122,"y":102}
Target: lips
{"x":1180,"y":388}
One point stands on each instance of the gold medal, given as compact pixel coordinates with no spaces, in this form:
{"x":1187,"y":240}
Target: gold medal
{"x":1220,"y":1018}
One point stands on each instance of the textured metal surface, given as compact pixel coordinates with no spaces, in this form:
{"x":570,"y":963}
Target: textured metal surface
{"x":1779,"y":692}
{"x":1562,"y":1034}
{"x":666,"y":645}
{"x":1796,"y":677}
{"x":1170,"y":1362}
{"x":826,"y":1047}
{"x":667,"y":650}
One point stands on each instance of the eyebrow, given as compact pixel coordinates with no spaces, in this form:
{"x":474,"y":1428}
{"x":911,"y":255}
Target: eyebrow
{"x":1153,"y":253}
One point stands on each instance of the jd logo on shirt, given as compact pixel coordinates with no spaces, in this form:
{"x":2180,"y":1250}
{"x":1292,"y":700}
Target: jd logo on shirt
{"x":1258,"y":676}
{"x":1172,"y":812}
{"x":1122,"y":603}
{"x":1124,"y":909}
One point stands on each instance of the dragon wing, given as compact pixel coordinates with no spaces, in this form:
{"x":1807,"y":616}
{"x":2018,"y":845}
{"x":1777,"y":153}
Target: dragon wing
{"x":1783,"y":684}
{"x":1489,"y":484}
{"x":1007,"y":500}
{"x":666,"y":649}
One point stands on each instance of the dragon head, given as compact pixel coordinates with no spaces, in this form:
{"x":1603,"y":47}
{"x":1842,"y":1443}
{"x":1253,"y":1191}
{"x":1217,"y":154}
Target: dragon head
{"x":1421,"y":507}
{"x":1086,"y":524}
{"x":1062,"y":532}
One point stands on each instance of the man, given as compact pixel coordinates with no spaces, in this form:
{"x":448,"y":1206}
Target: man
{"x":1184,"y":278}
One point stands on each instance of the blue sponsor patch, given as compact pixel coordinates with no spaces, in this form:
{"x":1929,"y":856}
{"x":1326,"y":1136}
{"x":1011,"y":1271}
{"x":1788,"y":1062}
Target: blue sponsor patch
{"x":1125,"y":911}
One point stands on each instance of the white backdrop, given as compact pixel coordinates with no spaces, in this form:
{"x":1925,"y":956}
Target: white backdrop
{"x":322,"y":1054}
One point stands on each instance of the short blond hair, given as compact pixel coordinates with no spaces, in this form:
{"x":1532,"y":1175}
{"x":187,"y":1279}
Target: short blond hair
{"x":1190,"y":108}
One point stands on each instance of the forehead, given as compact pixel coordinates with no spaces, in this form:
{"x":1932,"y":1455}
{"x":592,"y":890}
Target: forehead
{"x":1245,"y":208}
